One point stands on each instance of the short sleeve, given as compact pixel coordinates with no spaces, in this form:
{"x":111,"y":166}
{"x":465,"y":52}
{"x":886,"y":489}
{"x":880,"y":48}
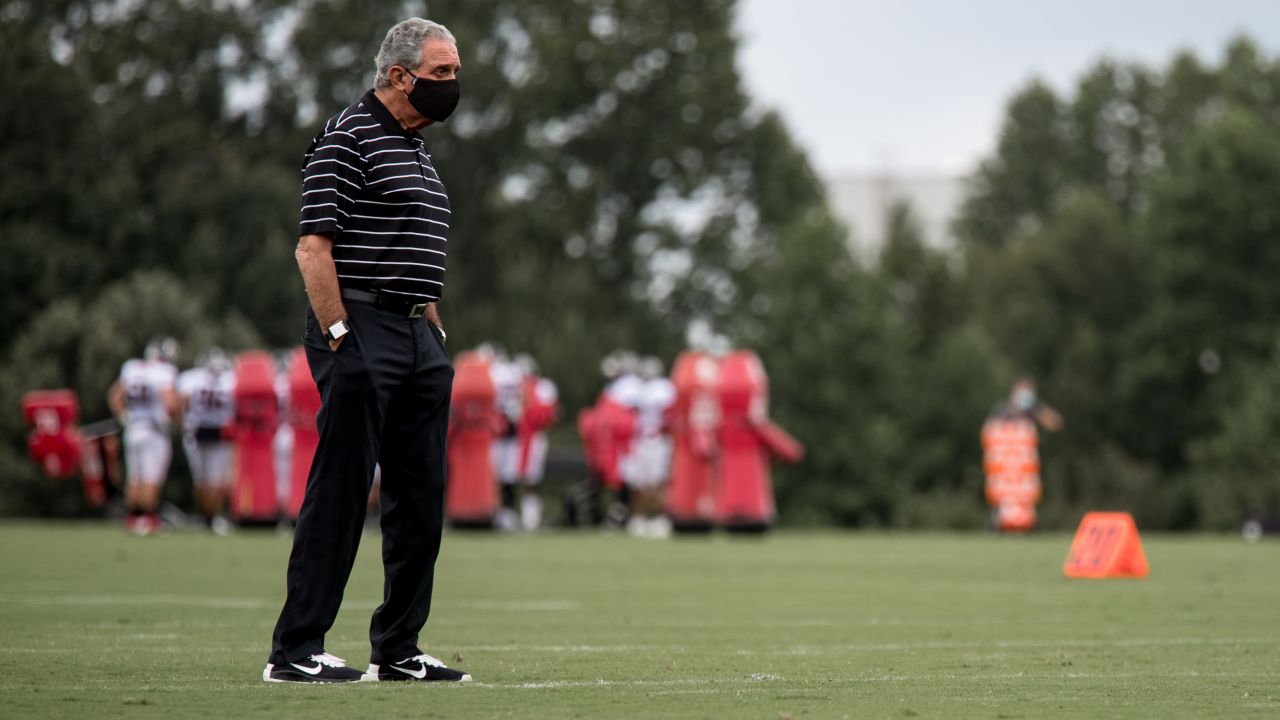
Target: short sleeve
{"x":331,"y":177}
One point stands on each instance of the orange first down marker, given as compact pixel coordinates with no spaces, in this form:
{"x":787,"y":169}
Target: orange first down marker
{"x":1106,"y":546}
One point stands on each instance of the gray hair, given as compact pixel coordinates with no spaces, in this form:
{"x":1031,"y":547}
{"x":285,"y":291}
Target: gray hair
{"x":403,"y":47}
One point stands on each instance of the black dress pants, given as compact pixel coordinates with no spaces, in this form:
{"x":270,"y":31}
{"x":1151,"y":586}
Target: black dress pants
{"x":385,"y":400}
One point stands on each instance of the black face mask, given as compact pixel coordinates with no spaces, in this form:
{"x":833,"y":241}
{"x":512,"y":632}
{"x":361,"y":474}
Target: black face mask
{"x":434,"y":100}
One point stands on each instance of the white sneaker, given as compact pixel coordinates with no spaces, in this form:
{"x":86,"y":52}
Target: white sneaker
{"x":660,"y":527}
{"x":530,"y":512}
{"x":637,"y":526}
{"x":507,"y":520}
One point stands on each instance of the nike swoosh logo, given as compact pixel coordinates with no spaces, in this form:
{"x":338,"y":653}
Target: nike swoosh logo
{"x":308,"y":670}
{"x":419,"y":674}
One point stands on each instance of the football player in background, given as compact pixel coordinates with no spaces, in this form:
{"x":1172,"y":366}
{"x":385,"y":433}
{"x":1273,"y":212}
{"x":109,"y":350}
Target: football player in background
{"x":539,"y":406}
{"x":144,"y":400}
{"x":651,"y":454}
{"x":508,"y":381}
{"x":207,"y":397}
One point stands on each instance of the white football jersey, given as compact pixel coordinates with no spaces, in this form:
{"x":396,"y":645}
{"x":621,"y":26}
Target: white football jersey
{"x":210,"y":397}
{"x":144,"y":383}
{"x":507,"y":385}
{"x":656,"y":395}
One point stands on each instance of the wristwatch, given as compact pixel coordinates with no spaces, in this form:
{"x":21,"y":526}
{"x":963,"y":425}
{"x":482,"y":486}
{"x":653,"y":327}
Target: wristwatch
{"x":337,"y":330}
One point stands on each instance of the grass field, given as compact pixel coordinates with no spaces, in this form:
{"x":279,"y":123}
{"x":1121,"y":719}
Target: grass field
{"x":94,"y":624}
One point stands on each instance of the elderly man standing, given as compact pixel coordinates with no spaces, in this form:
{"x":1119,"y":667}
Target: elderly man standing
{"x":375,"y":218}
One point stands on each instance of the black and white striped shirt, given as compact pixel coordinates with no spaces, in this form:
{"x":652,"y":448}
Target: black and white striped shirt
{"x":369,"y":184}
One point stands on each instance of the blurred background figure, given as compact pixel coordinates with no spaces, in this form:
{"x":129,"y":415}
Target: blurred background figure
{"x":1011,"y":456}
{"x":606,"y":429}
{"x":539,"y":399}
{"x":625,"y":386}
{"x":1024,"y":399}
{"x":585,"y":503}
{"x":651,"y":454}
{"x":623,"y":395}
{"x":206,"y":394}
{"x":508,"y":380}
{"x":144,"y":400}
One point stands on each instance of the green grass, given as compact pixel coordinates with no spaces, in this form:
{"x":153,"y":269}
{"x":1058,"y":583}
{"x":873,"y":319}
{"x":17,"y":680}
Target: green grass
{"x":94,"y":624}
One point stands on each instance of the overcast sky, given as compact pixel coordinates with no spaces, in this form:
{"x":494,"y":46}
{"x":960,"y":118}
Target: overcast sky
{"x":920,"y":85}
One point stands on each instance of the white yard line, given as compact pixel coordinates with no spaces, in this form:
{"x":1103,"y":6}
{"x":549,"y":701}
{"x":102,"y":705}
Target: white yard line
{"x":738,"y":682}
{"x":1012,"y":645}
{"x":241,"y":603}
{"x":223,"y":603}
{"x":573,"y":648}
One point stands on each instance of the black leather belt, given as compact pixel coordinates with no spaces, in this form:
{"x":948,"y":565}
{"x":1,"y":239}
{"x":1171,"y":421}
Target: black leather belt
{"x":381,"y":301}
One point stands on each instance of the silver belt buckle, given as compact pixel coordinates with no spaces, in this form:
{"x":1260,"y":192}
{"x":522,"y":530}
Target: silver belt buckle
{"x":418,"y":310}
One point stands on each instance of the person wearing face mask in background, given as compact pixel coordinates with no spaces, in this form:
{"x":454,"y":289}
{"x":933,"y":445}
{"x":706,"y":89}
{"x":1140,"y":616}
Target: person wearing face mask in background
{"x":1011,"y":456}
{"x":371,"y":250}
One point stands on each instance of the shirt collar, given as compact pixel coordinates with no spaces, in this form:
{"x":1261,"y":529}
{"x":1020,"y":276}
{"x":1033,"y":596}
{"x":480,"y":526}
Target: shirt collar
{"x":390,"y":125}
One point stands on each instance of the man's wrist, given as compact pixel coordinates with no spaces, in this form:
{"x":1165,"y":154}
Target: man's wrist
{"x":336,"y":330}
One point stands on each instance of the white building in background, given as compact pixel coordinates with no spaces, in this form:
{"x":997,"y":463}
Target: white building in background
{"x":863,"y":203}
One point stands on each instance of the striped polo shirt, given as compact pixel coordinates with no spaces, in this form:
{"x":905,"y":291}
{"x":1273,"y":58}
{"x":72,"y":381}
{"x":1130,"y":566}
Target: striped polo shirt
{"x":368,"y":184}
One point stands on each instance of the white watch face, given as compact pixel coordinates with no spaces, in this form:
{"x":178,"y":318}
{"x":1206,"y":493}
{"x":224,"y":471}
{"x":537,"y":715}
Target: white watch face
{"x":337,"y":330}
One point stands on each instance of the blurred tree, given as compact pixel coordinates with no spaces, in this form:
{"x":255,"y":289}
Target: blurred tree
{"x":823,"y":340}
{"x":1113,"y":137}
{"x":1119,"y":247}
{"x":814,"y":317}
{"x":1061,"y":306}
{"x":875,"y":369}
{"x":1214,"y":245}
{"x":1237,"y":470}
{"x":945,"y":380}
{"x":134,"y":157}
{"x":1010,"y":191}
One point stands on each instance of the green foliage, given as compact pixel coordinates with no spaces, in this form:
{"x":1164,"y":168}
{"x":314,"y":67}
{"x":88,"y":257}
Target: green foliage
{"x":879,"y":370}
{"x":1213,"y":246}
{"x":1122,"y":248}
{"x":1237,"y":470}
{"x":131,"y":158}
{"x":820,"y":340}
{"x":1009,"y":191}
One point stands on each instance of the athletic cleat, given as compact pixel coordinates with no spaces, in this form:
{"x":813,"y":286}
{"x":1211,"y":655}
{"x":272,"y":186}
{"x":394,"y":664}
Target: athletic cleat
{"x":420,"y":668}
{"x":143,"y":525}
{"x":322,"y":668}
{"x":219,"y":525}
